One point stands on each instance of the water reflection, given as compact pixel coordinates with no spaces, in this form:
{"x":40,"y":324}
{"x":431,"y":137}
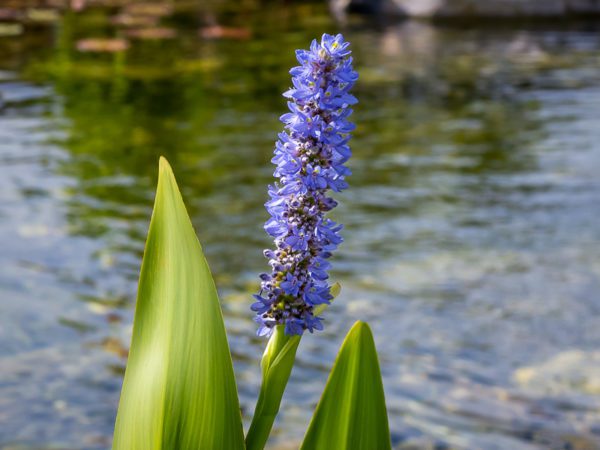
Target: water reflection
{"x":470,"y":222}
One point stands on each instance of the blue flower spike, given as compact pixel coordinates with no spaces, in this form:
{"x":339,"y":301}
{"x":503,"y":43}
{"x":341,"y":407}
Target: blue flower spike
{"x":309,"y":157}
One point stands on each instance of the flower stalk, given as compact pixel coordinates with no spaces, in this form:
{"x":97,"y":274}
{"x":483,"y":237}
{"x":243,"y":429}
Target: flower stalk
{"x":310,"y":156}
{"x":276,"y":366}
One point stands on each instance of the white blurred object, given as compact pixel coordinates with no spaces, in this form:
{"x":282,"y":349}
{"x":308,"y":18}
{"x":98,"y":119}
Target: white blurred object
{"x":473,"y":8}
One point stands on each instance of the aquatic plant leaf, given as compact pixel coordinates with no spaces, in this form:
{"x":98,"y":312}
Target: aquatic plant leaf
{"x":276,"y":365}
{"x":351,"y":414}
{"x":179,"y":389}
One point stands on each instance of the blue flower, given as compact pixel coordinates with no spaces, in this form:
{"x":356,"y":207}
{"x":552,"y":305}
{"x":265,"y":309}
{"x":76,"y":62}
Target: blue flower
{"x":309,"y":158}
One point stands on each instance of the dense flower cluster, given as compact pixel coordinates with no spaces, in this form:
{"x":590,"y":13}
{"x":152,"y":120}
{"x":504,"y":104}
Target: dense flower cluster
{"x":310,"y":156}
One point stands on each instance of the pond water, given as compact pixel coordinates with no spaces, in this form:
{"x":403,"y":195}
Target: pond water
{"x":472,"y":223}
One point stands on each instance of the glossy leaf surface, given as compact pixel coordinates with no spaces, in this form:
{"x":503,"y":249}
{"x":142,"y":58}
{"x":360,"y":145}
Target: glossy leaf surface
{"x":179,"y":389}
{"x":351,"y":414}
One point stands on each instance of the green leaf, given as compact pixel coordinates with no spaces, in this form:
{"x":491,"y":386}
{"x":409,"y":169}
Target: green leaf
{"x":276,"y":365}
{"x":179,"y":390}
{"x":351,"y":414}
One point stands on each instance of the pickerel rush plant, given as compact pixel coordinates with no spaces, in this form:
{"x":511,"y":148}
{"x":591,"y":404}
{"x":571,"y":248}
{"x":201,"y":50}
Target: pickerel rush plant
{"x":179,"y":389}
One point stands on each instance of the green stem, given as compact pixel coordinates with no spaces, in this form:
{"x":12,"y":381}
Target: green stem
{"x":277,"y":363}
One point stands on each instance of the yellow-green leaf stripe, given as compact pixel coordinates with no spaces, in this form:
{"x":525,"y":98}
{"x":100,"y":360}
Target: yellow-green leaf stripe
{"x":179,"y":390}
